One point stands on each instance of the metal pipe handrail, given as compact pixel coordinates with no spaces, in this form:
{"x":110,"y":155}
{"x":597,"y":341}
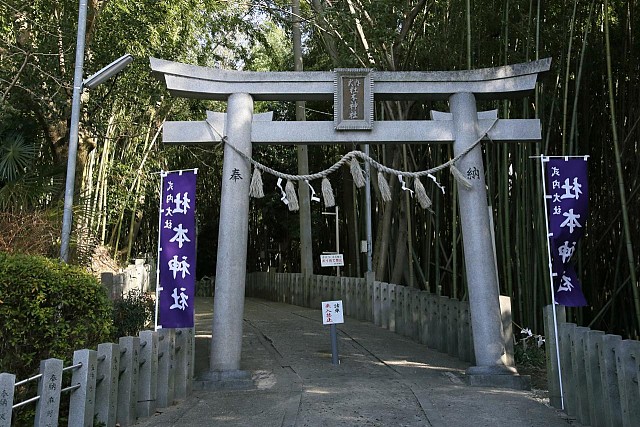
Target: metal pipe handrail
{"x":35,"y":377}
{"x":33,"y":399}
{"x":76,"y":366}
{"x":70,"y":388}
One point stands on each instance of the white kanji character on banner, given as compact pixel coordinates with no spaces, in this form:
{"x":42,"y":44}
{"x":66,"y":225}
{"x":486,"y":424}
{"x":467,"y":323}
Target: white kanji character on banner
{"x":176,"y":266}
{"x":571,"y":221}
{"x":180,"y":236}
{"x":179,"y":300}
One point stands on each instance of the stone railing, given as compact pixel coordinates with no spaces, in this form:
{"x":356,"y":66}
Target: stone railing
{"x":441,"y":323}
{"x":599,"y":373}
{"x":139,"y":275}
{"x":116,"y":384}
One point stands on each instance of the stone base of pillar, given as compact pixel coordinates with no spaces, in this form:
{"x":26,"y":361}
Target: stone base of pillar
{"x":224,"y":380}
{"x":497,"y":376}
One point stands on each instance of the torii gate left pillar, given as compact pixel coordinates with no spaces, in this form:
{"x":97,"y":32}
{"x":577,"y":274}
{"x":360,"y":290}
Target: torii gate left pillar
{"x":460,"y":88}
{"x":228,"y":307}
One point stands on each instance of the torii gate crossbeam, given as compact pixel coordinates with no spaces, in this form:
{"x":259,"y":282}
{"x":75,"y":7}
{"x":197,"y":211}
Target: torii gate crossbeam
{"x":354,"y":92}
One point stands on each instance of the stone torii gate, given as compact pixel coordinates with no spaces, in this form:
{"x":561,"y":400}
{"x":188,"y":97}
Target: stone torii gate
{"x":353,"y":92}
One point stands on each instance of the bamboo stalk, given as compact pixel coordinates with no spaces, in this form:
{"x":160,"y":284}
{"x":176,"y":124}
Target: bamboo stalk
{"x":409,"y":223}
{"x":454,"y":239}
{"x":574,"y":116}
{"x":619,"y":172}
{"x":468,"y":34}
{"x":148,"y":145}
{"x":566,"y":79}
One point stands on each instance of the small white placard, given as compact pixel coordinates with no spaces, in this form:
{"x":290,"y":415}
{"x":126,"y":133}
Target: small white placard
{"x":331,"y":260}
{"x":332,"y":312}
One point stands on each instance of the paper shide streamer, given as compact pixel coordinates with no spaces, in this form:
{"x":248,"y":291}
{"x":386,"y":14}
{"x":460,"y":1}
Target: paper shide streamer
{"x":353,"y":158}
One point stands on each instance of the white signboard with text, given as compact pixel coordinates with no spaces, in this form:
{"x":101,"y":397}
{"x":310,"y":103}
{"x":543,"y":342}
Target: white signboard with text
{"x":331,"y":260}
{"x":332,"y":312}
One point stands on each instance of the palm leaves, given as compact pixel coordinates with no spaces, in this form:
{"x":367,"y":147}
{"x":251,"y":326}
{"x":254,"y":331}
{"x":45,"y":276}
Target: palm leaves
{"x":16,"y":155}
{"x":24,"y":185}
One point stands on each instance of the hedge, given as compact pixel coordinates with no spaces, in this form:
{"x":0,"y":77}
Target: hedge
{"x":48,"y":309}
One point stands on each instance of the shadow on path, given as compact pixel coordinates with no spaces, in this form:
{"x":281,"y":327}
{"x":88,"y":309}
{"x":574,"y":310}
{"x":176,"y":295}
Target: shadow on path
{"x":383,"y":379}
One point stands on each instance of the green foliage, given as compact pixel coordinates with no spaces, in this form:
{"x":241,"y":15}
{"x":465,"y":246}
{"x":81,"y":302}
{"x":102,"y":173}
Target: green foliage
{"x":15,"y":156}
{"x":117,"y":157}
{"x":529,"y":355}
{"x":47,"y":309}
{"x":132,"y":313}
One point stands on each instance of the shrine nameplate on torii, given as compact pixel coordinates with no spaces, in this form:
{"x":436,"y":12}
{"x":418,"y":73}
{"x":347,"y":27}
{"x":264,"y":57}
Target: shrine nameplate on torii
{"x":354,"y":92}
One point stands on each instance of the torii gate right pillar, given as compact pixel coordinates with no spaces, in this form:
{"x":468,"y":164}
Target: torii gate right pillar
{"x":478,"y":250}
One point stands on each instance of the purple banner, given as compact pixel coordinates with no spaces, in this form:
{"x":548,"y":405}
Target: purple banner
{"x":177,"y":249}
{"x":568,"y":208}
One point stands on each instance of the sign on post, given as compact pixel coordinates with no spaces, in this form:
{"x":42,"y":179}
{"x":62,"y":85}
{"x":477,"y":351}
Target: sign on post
{"x":331,"y":260}
{"x":332,"y":312}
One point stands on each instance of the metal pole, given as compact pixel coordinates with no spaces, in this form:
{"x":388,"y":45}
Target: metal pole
{"x":158,"y":287}
{"x":73,"y":133}
{"x":334,"y":345}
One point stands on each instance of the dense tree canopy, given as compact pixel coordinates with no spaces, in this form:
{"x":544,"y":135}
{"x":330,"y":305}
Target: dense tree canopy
{"x":588,"y":105}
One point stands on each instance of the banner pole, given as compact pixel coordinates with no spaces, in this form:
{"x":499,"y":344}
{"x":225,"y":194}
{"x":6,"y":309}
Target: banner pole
{"x":158,"y":287}
{"x":553,"y":296}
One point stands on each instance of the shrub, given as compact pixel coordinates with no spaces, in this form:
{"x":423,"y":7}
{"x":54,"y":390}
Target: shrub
{"x":33,"y":233}
{"x":132,"y":313}
{"x":47,"y":309}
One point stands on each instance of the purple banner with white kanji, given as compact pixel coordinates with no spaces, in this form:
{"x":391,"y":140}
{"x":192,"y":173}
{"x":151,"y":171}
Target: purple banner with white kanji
{"x":177,"y":249}
{"x":568,"y":208}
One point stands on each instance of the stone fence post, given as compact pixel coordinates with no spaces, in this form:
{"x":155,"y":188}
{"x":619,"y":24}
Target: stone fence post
{"x":82,"y":400}
{"x":107,"y":383}
{"x":49,"y":388}
{"x":7,"y":390}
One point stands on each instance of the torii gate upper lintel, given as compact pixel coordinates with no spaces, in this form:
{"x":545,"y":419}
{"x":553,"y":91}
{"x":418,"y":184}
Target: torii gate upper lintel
{"x":354,"y":92}
{"x":192,"y":81}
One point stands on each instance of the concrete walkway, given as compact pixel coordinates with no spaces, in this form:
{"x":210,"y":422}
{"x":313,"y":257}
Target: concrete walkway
{"x":383,"y":380}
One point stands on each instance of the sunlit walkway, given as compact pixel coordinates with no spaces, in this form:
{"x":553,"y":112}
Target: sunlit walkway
{"x":383,"y":380}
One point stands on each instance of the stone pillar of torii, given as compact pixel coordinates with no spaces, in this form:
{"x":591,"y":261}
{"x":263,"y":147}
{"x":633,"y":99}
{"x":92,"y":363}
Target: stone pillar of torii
{"x":353,"y":92}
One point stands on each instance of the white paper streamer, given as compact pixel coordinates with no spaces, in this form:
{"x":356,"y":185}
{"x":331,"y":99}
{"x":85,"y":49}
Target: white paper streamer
{"x":404,"y":186}
{"x":314,"y":198}
{"x":436,"y":181}
{"x":284,"y":195}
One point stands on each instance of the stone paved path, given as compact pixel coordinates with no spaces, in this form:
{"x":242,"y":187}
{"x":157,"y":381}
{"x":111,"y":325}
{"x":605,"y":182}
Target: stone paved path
{"x":383,"y":380}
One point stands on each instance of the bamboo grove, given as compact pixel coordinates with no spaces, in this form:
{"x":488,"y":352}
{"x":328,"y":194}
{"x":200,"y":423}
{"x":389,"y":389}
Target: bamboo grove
{"x":588,"y":105}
